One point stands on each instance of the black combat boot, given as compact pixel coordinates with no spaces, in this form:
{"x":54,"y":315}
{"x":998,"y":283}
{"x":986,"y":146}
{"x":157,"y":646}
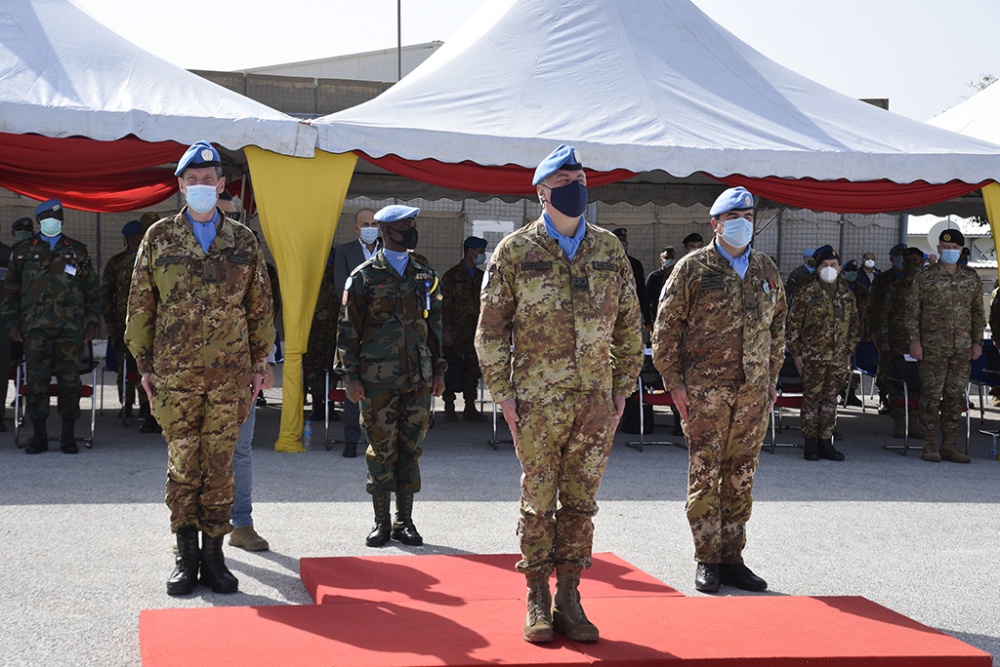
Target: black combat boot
{"x":811,"y":449}
{"x":67,"y":440}
{"x":383,"y":525}
{"x":318,"y":413}
{"x":39,"y":440}
{"x":449,"y":411}
{"x":403,"y":528}
{"x":828,"y":451}
{"x":568,"y":617}
{"x":185,"y":575}
{"x":214,"y":572}
{"x":470,"y":413}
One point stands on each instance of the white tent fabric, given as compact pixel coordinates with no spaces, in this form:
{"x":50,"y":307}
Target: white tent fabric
{"x":978,"y":116}
{"x":641,"y":85}
{"x":63,"y":74}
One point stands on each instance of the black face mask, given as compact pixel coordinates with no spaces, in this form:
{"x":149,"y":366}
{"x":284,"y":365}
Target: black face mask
{"x":569,"y":199}
{"x":408,"y":238}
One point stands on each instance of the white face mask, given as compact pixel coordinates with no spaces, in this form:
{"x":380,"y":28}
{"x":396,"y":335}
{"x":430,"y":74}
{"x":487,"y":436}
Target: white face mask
{"x":368,"y":235}
{"x":201,"y":198}
{"x":869,"y":263}
{"x":828,"y":274}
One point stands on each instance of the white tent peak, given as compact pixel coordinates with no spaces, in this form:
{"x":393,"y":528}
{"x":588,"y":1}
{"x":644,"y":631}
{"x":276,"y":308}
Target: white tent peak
{"x":64,"y":74}
{"x":978,"y":116}
{"x":641,"y":85}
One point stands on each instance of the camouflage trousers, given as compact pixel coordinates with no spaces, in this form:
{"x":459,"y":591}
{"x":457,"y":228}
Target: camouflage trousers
{"x":883,"y":372}
{"x":318,"y":358}
{"x":725,"y":429}
{"x":49,"y":352}
{"x":945,"y":377}
{"x":822,"y":383}
{"x":563,"y":443}
{"x":394,"y":423}
{"x":902,"y":371}
{"x":465,"y":354}
{"x":200,"y":421}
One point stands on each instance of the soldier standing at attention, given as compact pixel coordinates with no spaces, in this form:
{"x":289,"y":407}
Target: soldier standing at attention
{"x":322,"y":341}
{"x":878,"y":293}
{"x":822,"y":333}
{"x":52,"y":304}
{"x":945,"y":326}
{"x":563,"y":291}
{"x":115,"y":284}
{"x":23,"y":227}
{"x":719,"y":343}
{"x":801,"y":274}
{"x":389,"y":351}
{"x":200,"y":325}
{"x":461,"y":286}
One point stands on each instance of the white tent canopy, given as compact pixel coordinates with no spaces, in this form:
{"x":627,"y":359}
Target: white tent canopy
{"x":978,"y":116}
{"x":641,"y":85}
{"x":63,"y":74}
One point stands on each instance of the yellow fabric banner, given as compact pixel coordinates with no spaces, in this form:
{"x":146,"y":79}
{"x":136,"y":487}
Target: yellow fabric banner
{"x":991,"y":198}
{"x":299,"y":201}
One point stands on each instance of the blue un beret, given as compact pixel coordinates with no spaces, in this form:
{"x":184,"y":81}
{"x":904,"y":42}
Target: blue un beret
{"x":733,"y":199}
{"x":395,"y":213}
{"x":132,"y":228}
{"x":563,"y":157}
{"x":808,"y":252}
{"x":899,"y":247}
{"x":475,"y":242}
{"x":46,"y":206}
{"x":200,"y":154}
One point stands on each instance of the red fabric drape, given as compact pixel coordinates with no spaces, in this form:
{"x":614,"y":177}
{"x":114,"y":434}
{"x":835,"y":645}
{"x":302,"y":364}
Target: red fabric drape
{"x":89,"y":175}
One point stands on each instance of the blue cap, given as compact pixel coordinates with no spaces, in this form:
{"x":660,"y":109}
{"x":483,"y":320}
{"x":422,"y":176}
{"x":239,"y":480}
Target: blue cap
{"x":732,"y":199}
{"x":46,"y":206}
{"x":899,"y":247}
{"x":475,"y":242}
{"x":200,"y":154}
{"x":132,"y":228}
{"x":808,"y":252}
{"x":395,"y":213}
{"x":564,"y":157}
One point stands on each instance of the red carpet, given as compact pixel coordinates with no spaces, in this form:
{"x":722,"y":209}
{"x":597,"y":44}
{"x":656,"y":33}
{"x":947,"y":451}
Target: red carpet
{"x":413,"y":611}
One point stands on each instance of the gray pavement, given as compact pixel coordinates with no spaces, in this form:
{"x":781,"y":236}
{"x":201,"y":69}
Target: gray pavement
{"x":85,"y":543}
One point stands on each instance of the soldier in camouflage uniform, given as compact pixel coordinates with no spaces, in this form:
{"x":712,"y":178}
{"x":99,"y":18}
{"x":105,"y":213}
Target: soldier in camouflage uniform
{"x":51,"y":303}
{"x":322,"y":340}
{"x":822,"y":332}
{"x":22,"y":227}
{"x":562,"y":291}
{"x":877,"y":293}
{"x":115,"y":284}
{"x":461,"y":286}
{"x":801,"y":274}
{"x":719,"y":343}
{"x":887,"y":315}
{"x":945,"y":327}
{"x":389,"y":352}
{"x":200,"y":325}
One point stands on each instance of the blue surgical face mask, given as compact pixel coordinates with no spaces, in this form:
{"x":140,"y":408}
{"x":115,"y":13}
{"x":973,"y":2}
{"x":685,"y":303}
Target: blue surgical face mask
{"x":897,"y":262}
{"x":50,"y":226}
{"x":368,"y":235}
{"x":737,"y":232}
{"x":850,"y":276}
{"x":951,"y":256}
{"x":23,"y":235}
{"x":569,"y":199}
{"x":201,"y":198}
{"x":478,"y":260}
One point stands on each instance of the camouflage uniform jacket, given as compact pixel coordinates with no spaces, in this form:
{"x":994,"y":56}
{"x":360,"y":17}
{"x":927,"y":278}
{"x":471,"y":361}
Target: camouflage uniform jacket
{"x":799,"y":276}
{"x":51,"y":289}
{"x":887,"y":310}
{"x":328,"y":303}
{"x":821,"y":326}
{"x":4,"y":261}
{"x":574,"y":325}
{"x":861,"y":296}
{"x":390,"y":326}
{"x":200,"y":314}
{"x":945,"y":311}
{"x":115,"y":285}
{"x":460,"y":311}
{"x":715,"y":329}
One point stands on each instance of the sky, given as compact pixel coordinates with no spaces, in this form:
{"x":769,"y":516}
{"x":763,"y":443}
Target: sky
{"x":920,"y":54}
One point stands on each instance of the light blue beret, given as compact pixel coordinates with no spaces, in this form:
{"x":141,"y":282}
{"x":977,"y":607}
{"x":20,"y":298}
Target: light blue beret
{"x":563,"y":157}
{"x":808,"y":252}
{"x":395,"y":213}
{"x":132,"y":228}
{"x":200,"y":154}
{"x":46,"y":206}
{"x":475,"y":242}
{"x":731,"y":200}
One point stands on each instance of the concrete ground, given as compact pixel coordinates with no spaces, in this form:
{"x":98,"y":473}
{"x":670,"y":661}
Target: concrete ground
{"x":85,"y":543}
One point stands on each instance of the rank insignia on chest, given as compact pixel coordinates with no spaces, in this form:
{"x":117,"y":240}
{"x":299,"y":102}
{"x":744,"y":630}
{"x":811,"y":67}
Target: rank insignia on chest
{"x":582,"y":284}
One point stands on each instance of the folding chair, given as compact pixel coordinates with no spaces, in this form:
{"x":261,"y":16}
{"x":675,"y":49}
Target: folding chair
{"x":494,"y":441}
{"x":865,"y":364}
{"x":87,"y":366}
{"x":332,"y":396}
{"x":789,"y":398}
{"x":643,"y":397}
{"x":985,"y":372}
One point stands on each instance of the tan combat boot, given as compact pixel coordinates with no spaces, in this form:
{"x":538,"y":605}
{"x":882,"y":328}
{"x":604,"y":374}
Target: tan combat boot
{"x":538,"y":620}
{"x":567,"y":614}
{"x":950,"y":450}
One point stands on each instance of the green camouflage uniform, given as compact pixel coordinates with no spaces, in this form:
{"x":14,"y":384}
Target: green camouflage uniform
{"x":576,"y":330}
{"x":459,"y":316}
{"x":861,"y":296}
{"x":51,"y":296}
{"x":390,"y":340}
{"x":115,"y":284}
{"x":723,"y":339}
{"x":799,"y":276}
{"x":823,"y":330}
{"x":5,"y":341}
{"x":945,"y":313}
{"x":888,"y":315}
{"x":884,"y":284}
{"x":201,"y":324}
{"x":323,"y":333}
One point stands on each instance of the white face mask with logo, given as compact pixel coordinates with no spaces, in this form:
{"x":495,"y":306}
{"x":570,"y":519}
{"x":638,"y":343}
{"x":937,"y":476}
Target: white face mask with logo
{"x":828,"y":274}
